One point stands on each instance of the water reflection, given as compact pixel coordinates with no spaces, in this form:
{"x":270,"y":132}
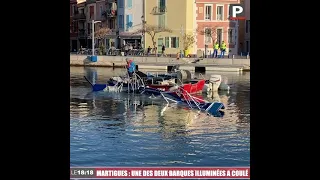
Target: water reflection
{"x":125,"y":130}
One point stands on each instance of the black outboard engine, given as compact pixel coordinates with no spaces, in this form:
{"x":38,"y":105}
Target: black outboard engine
{"x":175,"y":68}
{"x":141,"y":74}
{"x":183,"y":76}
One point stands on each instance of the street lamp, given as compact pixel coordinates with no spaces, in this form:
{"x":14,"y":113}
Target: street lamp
{"x":182,"y":34}
{"x":143,"y":29}
{"x":93,"y":22}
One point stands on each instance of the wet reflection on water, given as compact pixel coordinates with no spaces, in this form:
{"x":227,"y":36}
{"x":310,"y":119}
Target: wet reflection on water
{"x":125,"y":130}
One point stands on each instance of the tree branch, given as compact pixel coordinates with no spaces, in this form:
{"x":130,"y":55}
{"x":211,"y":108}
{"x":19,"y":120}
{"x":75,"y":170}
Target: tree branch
{"x":152,"y":30}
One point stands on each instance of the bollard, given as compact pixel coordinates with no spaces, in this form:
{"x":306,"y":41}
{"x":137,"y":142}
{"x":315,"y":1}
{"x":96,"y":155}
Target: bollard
{"x":232,"y":56}
{"x":248,"y":56}
{"x":241,"y":54}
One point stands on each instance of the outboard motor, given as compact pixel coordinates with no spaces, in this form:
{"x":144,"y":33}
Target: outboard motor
{"x":141,"y":74}
{"x":183,"y":76}
{"x":175,"y":68}
{"x":214,"y":82}
{"x":224,"y":85}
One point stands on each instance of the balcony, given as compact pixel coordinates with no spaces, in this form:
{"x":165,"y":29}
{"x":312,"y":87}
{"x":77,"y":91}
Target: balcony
{"x":82,"y":33}
{"x":110,"y":13}
{"x":159,"y":10}
{"x":79,"y":16}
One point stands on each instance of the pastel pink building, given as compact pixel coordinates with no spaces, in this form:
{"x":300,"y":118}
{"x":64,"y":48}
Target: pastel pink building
{"x":213,"y":16}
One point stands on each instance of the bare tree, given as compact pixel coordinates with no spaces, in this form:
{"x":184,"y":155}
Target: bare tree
{"x":152,"y":30}
{"x":188,"y":40}
{"x":102,"y":33}
{"x":210,"y":32}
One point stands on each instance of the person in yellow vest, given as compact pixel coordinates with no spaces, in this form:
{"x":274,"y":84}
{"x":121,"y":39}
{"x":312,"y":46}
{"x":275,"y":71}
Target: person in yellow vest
{"x":215,"y":50}
{"x":223,"y":49}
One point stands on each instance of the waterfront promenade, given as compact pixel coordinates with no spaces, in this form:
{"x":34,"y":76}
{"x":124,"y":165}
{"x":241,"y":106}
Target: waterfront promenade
{"x":164,"y":63}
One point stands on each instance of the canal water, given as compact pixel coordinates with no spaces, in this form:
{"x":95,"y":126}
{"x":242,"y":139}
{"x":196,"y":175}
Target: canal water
{"x":110,"y":129}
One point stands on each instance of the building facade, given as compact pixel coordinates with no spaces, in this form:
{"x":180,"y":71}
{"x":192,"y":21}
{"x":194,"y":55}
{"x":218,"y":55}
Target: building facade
{"x":176,"y":15}
{"x":241,"y":47}
{"x":213,"y":17}
{"x":247,"y":25}
{"x":129,"y":17}
{"x":80,"y":19}
{"x":73,"y":26}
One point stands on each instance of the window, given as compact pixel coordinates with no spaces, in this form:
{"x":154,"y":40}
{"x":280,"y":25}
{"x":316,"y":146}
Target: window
{"x":247,"y":26}
{"x":91,"y":12}
{"x":129,"y":3}
{"x":120,"y":3}
{"x":207,"y":35}
{"x":219,"y":36}
{"x":174,"y":42}
{"x":167,"y":42}
{"x":75,"y":28}
{"x":112,"y":24}
{"x":121,"y":21}
{"x":71,"y":27}
{"x":74,"y":9}
{"x":161,"y":21}
{"x":208,"y":14}
{"x":89,"y":28}
{"x":101,"y":11}
{"x":230,"y":36}
{"x":219,"y":13}
{"x":128,"y":22}
{"x":160,"y":43}
{"x":162,"y":4}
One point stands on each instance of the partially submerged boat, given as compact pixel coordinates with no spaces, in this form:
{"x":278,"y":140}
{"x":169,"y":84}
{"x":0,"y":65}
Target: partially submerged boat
{"x":154,"y":84}
{"x":182,"y":97}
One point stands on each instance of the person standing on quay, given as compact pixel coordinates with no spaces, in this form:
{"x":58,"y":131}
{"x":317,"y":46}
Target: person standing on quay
{"x":223,"y":49}
{"x":131,"y":66}
{"x":163,"y":50}
{"x":215,"y":50}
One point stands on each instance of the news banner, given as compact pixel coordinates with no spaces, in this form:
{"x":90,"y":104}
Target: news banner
{"x":160,"y":173}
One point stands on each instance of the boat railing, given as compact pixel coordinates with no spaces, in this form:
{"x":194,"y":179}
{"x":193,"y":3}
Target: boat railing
{"x":201,"y":76}
{"x":167,"y":99}
{"x":136,"y":82}
{"x":186,"y":96}
{"x":180,"y":80}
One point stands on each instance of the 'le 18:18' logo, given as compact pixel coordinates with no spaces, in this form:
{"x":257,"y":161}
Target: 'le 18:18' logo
{"x":236,"y":12}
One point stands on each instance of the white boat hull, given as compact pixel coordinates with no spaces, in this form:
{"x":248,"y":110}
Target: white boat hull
{"x":215,"y":84}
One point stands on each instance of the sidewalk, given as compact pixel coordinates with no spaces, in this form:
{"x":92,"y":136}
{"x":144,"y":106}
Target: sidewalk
{"x":163,"y":63}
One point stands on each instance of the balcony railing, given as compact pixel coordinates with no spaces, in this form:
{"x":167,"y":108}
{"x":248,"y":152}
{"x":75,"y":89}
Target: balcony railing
{"x":79,"y":16}
{"x":110,"y":13}
{"x":158,"y":10}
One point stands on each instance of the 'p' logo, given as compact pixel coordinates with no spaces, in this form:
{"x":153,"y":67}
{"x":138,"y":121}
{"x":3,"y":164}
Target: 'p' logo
{"x":236,"y":12}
